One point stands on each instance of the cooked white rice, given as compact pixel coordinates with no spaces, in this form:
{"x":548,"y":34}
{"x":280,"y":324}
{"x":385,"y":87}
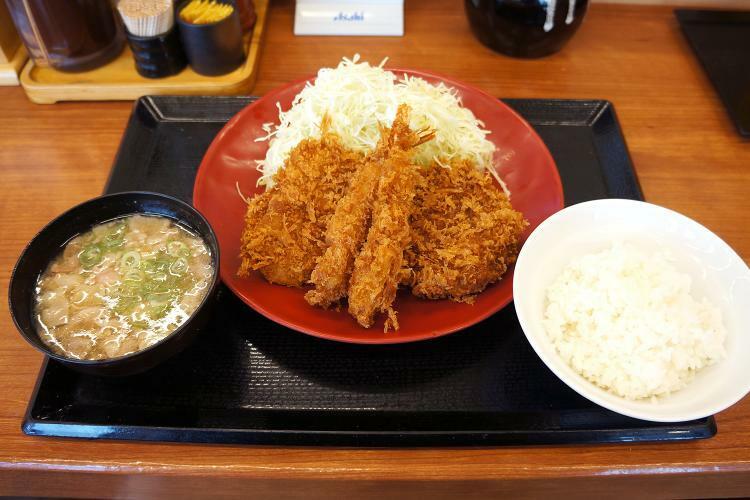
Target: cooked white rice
{"x":625,"y":320}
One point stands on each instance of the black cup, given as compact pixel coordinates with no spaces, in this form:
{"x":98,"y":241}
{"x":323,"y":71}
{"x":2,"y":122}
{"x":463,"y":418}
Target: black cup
{"x":158,"y":56}
{"x":525,"y":28}
{"x":213,"y":49}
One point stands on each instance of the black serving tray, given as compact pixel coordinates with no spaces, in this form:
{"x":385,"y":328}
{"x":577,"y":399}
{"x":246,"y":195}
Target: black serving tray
{"x":720,"y":40}
{"x":249,"y":380}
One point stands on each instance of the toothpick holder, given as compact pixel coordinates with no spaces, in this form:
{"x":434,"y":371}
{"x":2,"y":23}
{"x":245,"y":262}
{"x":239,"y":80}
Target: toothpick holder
{"x":158,"y":56}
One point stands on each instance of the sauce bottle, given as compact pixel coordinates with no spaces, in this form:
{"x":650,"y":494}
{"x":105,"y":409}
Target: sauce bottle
{"x":70,"y":35}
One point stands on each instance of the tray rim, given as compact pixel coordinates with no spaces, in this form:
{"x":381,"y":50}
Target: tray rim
{"x":651,"y":432}
{"x":687,"y":17}
{"x":711,"y":16}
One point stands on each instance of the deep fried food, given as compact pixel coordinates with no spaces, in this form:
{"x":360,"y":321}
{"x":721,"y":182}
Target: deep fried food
{"x":376,"y":274}
{"x":349,"y":225}
{"x":358,"y":226}
{"x":375,"y":278}
{"x":346,"y":231}
{"x":465,"y":233}
{"x":285,"y":226}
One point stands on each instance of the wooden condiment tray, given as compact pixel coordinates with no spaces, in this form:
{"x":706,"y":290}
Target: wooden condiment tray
{"x":119,"y":80}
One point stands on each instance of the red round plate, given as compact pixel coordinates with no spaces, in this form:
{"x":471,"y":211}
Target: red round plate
{"x":522,"y":160}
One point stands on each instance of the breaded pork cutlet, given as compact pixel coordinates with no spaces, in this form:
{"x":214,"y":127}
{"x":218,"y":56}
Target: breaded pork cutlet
{"x":285,"y":226}
{"x":349,"y":225}
{"x":464,"y":233}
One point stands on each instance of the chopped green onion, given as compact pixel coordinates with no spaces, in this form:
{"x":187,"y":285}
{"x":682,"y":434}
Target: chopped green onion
{"x":178,"y":249}
{"x":133,"y":275}
{"x":179,"y":267}
{"x":157,"y":304}
{"x":90,"y":256}
{"x":130,"y":260}
{"x":143,"y":324}
{"x":125,"y":304}
{"x":114,"y":239}
{"x":157,"y":264}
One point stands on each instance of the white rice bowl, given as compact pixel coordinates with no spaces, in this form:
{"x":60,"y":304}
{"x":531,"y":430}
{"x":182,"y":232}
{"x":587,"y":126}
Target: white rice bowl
{"x":717,"y":275}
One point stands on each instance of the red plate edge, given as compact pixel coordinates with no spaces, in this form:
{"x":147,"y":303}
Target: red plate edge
{"x":556,"y":199}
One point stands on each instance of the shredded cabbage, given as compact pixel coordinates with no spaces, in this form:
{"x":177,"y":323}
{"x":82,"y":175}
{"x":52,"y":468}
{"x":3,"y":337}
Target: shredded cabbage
{"x":358,"y":97}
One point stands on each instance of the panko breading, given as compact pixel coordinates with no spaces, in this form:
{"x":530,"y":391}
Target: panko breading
{"x":349,"y":224}
{"x":345,"y":234}
{"x":285,"y":226}
{"x":356,"y":227}
{"x":465,"y":233}
{"x":376,"y":274}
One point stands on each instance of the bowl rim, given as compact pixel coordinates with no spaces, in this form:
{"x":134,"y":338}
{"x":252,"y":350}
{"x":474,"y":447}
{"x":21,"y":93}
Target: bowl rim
{"x":584,"y":387}
{"x":209,"y":238}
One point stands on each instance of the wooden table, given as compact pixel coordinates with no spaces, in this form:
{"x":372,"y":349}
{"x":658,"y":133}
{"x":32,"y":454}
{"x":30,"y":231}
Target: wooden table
{"x":686,"y":152}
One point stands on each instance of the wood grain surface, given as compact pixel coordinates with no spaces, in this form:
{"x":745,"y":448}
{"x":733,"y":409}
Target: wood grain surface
{"x":687,"y":155}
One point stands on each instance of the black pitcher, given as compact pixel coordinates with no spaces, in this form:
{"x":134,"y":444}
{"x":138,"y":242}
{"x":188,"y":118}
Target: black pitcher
{"x":525,"y":28}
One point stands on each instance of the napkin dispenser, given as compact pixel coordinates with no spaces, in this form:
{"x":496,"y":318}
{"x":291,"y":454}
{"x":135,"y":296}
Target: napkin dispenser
{"x":342,"y":17}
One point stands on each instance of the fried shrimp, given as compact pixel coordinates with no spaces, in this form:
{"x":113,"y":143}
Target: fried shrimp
{"x":285,"y":226}
{"x":377,"y":268}
{"x":345,"y":233}
{"x":375,"y":278}
{"x":349,"y":224}
{"x":465,"y":233}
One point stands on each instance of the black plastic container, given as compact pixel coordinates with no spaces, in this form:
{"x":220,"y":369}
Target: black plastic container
{"x":525,"y":28}
{"x":52,"y":239}
{"x":158,"y":56}
{"x":213,"y":49}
